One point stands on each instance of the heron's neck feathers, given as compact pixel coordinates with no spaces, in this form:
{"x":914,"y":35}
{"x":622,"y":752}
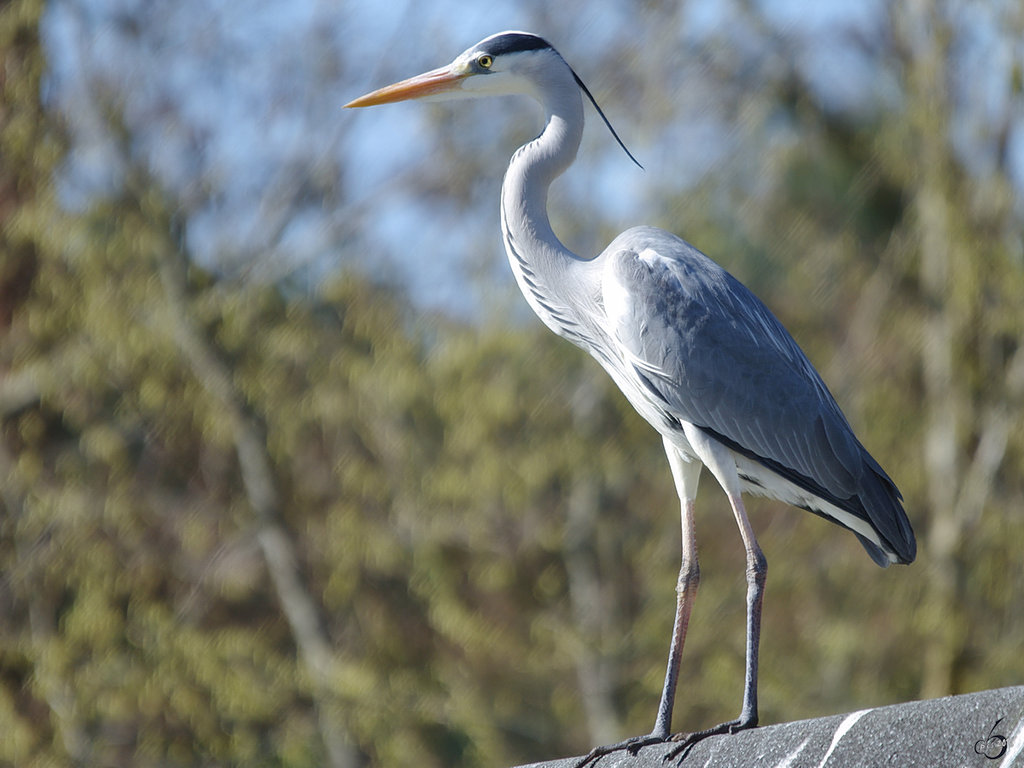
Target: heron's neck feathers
{"x":542,"y":265}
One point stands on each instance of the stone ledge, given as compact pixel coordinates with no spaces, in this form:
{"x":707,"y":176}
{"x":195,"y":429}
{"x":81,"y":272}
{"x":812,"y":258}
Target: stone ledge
{"x":975,"y":730}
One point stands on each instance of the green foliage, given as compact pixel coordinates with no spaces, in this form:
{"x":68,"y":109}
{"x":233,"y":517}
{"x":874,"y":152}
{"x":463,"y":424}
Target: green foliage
{"x":482,"y":522}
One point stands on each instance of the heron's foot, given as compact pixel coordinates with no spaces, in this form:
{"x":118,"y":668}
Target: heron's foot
{"x":686,"y":741}
{"x":632,"y":746}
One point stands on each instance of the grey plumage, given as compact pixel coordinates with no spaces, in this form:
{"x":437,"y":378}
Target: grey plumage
{"x":712,"y":354}
{"x":694,"y":351}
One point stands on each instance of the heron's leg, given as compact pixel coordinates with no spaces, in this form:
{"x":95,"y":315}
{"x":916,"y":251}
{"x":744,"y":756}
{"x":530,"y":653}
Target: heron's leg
{"x":720,"y":462}
{"x":686,"y":474}
{"x":757,"y":573}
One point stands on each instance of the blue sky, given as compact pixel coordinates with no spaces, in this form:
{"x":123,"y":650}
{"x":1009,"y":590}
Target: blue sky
{"x":235,"y":108}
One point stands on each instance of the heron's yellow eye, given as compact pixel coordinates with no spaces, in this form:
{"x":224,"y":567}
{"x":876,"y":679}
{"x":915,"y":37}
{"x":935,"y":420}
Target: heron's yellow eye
{"x":485,"y":61}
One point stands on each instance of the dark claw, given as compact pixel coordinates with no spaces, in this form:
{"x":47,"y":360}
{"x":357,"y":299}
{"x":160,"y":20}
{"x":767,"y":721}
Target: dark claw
{"x":686,"y":741}
{"x":632,"y":746}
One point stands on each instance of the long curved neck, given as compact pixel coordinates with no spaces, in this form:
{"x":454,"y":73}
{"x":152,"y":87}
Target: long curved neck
{"x":544,"y":268}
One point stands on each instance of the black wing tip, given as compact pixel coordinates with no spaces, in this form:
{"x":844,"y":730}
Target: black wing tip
{"x":908,"y":552}
{"x":889,"y":555}
{"x":890,"y":522}
{"x":884,"y":506}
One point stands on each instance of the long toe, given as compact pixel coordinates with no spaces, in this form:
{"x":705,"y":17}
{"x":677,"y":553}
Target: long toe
{"x":633,"y":745}
{"x":686,"y":741}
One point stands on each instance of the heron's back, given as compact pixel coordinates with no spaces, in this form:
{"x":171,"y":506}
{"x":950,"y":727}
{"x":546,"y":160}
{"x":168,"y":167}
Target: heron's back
{"x":695,"y":345}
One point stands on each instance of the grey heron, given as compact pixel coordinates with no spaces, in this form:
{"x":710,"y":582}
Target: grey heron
{"x":692,"y":349}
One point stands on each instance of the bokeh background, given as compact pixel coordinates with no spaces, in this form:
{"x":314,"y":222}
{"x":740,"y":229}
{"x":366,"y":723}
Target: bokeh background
{"x":291,"y":477}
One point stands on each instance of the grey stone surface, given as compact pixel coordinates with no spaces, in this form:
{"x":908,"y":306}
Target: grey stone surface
{"x":976,"y":730}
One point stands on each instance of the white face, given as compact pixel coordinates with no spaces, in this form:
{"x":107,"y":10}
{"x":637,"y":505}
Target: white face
{"x":506,"y":63}
{"x":491,"y":69}
{"x":493,"y":75}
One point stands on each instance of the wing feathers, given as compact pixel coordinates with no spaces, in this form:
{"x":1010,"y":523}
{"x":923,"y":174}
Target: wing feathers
{"x":713,"y":355}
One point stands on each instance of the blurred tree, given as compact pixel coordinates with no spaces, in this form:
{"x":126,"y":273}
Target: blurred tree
{"x":250,"y":523}
{"x":971,"y":310}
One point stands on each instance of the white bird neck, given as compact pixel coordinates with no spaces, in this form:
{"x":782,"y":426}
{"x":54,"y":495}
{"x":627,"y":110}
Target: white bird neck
{"x":542,"y":265}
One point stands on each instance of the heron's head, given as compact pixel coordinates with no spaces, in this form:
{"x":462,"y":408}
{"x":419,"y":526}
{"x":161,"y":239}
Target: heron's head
{"x":505,"y":63}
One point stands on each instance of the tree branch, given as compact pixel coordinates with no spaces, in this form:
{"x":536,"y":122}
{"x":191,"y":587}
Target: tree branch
{"x":279,"y":550}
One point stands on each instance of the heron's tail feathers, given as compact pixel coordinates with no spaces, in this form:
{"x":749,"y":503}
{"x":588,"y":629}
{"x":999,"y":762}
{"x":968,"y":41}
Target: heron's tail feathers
{"x":883,"y":504}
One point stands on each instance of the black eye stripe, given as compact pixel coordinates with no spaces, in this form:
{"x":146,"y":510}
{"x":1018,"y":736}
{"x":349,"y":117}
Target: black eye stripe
{"x":515,"y":42}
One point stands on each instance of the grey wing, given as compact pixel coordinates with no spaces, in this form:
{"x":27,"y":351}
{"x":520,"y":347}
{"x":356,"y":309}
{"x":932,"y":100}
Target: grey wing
{"x":715,"y":356}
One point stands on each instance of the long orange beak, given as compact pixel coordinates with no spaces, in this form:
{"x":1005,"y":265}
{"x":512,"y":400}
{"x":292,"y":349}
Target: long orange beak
{"x":430,"y":83}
